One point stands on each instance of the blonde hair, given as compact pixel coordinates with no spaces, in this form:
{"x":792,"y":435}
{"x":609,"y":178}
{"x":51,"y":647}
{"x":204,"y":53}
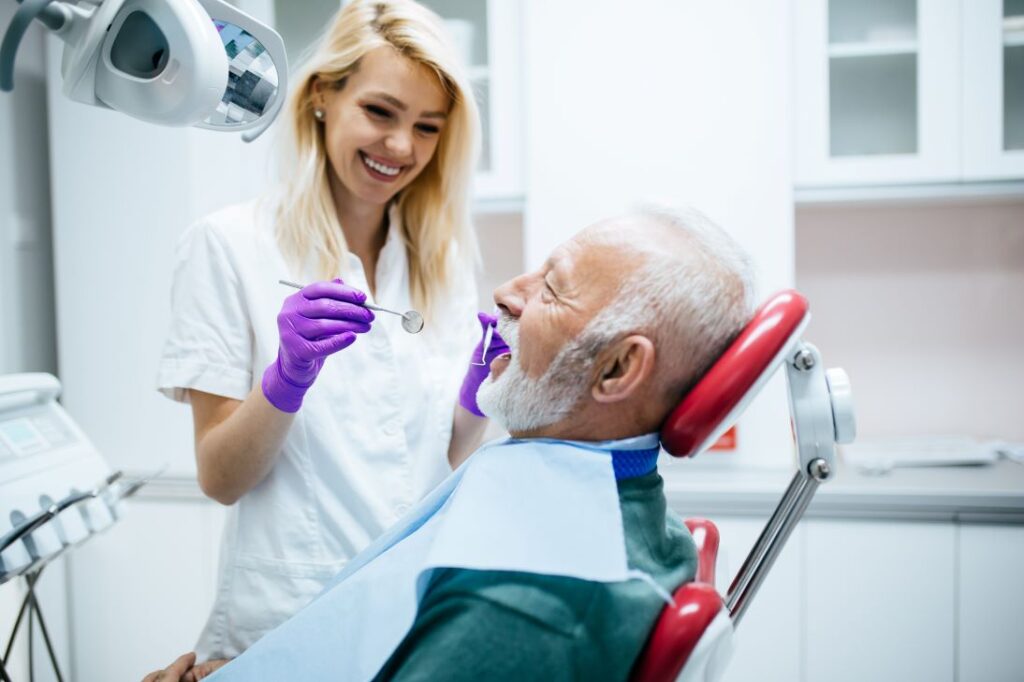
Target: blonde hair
{"x":434,"y":208}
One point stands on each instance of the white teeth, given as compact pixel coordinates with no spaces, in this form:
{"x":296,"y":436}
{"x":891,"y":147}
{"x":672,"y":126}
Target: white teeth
{"x":381,"y":168}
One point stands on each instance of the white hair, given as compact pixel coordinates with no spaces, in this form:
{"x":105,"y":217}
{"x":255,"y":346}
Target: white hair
{"x":691,"y":296}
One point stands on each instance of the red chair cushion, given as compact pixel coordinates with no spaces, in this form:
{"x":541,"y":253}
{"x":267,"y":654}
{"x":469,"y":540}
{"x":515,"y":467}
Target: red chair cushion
{"x":681,"y":626}
{"x":705,"y":536}
{"x":677,"y":632}
{"x":736,"y":376}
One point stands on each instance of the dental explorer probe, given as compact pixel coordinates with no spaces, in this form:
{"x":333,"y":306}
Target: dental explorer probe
{"x":488,"y":335}
{"x":412,"y":321}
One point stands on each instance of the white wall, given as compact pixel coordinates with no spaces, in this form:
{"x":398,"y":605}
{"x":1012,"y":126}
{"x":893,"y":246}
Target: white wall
{"x":26,"y":269}
{"x":27,"y":342}
{"x":501,"y":252}
{"x":144,"y":588}
{"x":924,"y":307}
{"x":684,"y":102}
{"x":124,"y":191}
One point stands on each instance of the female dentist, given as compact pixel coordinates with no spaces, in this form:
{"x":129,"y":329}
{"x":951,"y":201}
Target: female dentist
{"x":318,"y":423}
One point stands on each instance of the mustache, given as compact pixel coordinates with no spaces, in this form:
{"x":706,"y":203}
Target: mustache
{"x":508,"y":328}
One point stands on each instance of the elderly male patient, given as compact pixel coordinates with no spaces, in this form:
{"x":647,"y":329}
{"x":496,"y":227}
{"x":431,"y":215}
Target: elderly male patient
{"x":548,"y":555}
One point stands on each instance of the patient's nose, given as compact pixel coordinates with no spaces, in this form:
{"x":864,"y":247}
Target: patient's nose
{"x":509,"y":297}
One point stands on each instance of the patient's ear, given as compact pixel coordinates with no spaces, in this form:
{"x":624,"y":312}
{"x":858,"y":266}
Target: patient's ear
{"x":624,"y":369}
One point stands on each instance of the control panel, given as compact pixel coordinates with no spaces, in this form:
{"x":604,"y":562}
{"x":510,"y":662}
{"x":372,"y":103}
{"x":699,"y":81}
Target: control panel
{"x":56,"y":490}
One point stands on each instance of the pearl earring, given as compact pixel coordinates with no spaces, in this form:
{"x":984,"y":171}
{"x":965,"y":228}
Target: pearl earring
{"x":318,"y":114}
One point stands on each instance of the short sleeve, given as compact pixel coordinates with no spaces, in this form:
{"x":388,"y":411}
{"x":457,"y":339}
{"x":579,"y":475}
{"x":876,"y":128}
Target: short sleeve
{"x":209,"y":346}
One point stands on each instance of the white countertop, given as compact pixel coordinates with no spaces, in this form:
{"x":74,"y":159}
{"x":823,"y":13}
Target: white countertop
{"x":990,"y":493}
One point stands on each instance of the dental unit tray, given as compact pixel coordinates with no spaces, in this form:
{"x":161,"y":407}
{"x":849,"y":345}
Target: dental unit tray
{"x":56,"y":490}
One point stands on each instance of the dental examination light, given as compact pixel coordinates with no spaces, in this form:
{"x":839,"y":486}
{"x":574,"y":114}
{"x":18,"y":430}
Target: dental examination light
{"x":196,"y":63}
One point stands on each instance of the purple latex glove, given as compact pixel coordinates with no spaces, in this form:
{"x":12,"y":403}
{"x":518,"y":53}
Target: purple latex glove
{"x":480,"y":364}
{"x":314,"y":322}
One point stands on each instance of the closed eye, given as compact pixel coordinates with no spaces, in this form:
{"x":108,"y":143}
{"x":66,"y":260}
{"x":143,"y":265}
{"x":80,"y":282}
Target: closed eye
{"x":547,"y":293}
{"x":377,"y":111}
{"x":428,"y":128}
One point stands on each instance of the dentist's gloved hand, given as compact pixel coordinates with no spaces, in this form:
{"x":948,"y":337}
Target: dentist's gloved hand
{"x":480,"y":364}
{"x":314,"y":322}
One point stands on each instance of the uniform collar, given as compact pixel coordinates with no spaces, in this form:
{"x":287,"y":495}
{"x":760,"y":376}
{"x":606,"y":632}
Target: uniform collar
{"x":631,"y":457}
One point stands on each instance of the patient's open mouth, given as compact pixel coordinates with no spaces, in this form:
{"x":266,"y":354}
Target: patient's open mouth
{"x":499,"y":364}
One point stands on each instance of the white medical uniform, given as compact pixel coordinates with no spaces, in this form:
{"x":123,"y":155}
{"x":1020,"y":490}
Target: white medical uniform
{"x":370,"y":439}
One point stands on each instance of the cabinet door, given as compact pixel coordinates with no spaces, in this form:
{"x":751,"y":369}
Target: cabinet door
{"x":767,"y":645}
{"x":878,"y":91}
{"x":990,"y":603}
{"x":880,"y":600}
{"x":487,"y":35}
{"x":132,"y":611}
{"x":993,"y":93}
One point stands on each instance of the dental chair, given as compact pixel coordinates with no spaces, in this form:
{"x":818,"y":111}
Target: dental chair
{"x":692,"y":639}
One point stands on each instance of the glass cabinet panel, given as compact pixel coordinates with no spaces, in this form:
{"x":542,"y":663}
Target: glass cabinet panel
{"x":1013,"y":74}
{"x":873,"y":77}
{"x":873,"y":105}
{"x":872,"y":21}
{"x":467,"y":22}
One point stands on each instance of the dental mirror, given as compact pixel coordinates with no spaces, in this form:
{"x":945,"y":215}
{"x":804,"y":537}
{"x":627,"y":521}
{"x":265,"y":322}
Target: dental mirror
{"x":412,"y":321}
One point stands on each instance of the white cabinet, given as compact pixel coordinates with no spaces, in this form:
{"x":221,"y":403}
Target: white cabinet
{"x":993,"y":92}
{"x":990,"y":602}
{"x":877,"y":91}
{"x":768,"y":638}
{"x":133,"y":611}
{"x":909,"y":91}
{"x":880,"y":601}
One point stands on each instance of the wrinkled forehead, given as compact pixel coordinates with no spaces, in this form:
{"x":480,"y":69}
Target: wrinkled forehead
{"x":641,"y":237}
{"x":593,"y":264}
{"x":586,"y":254}
{"x":617,"y":245}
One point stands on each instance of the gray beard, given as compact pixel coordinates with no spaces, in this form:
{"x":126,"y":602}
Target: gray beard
{"x":521,"y":403}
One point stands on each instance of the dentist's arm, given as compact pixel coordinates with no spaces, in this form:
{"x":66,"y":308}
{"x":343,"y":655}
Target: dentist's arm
{"x":469,"y":423}
{"x":237,"y":442}
{"x":467,"y":434}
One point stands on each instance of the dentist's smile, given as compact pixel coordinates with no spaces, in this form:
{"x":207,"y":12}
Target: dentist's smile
{"x":379,"y":168}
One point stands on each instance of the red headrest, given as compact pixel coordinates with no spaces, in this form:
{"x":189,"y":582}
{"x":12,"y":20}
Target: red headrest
{"x":737,"y":376}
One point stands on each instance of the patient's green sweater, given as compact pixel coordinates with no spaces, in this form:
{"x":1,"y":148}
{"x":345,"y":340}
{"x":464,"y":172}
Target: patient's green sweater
{"x":503,"y":625}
